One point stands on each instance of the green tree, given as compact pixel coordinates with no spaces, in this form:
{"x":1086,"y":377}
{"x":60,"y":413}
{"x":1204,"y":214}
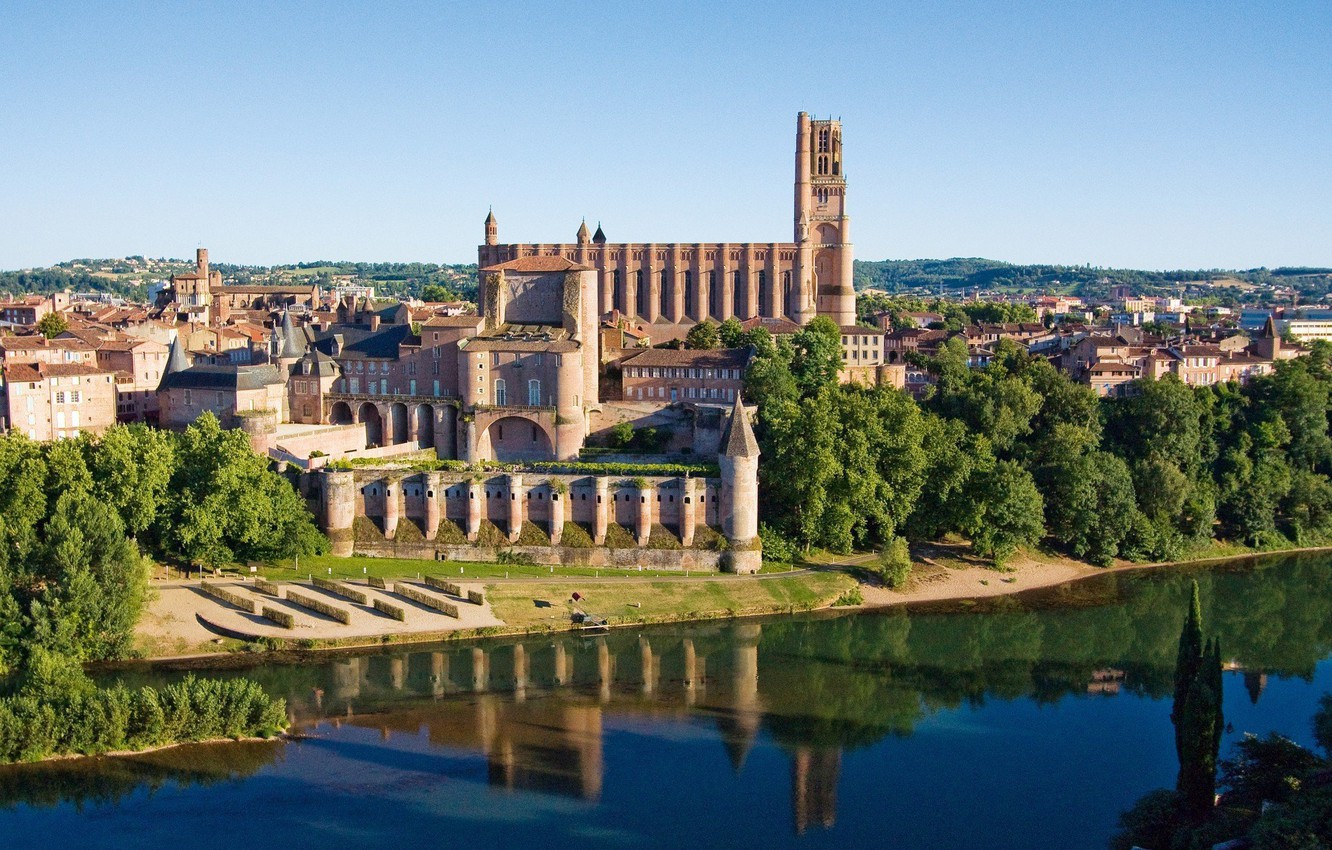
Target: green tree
{"x":226,"y":505}
{"x":131,"y":469}
{"x":1011,"y":514}
{"x":435,"y":293}
{"x":52,"y":325}
{"x":1196,"y":712}
{"x":703,"y":336}
{"x":817,"y":355}
{"x":731,"y":334}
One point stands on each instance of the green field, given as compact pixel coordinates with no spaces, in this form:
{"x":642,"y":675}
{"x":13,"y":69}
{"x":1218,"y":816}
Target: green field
{"x":402,"y":568}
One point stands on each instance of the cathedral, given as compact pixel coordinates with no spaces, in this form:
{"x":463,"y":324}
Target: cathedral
{"x":671,"y":286}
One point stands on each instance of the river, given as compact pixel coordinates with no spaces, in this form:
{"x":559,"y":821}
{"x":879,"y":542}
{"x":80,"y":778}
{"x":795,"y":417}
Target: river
{"x":1017,"y":722}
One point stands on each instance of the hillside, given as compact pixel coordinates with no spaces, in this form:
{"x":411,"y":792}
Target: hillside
{"x":129,"y":277}
{"x":966,"y":273}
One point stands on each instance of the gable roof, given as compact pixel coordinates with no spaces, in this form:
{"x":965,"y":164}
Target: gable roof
{"x":537,"y":264}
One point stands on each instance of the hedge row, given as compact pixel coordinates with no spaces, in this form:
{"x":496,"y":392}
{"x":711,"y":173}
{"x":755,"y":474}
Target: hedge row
{"x":268,"y":587}
{"x":406,"y":590}
{"x":100,"y":720}
{"x":285,"y":619}
{"x":376,"y":581}
{"x":341,"y":590}
{"x":342,"y":615}
{"x":218,"y":592}
{"x":397,"y":612}
{"x":476,"y":597}
{"x":449,"y":587}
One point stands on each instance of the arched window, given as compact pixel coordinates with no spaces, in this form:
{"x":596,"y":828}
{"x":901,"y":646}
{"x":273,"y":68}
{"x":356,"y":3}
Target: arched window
{"x":714,"y":297}
{"x":762,"y":291}
{"x":640,"y":293}
{"x":740,"y":296}
{"x":664,"y":293}
{"x":534,"y":392}
{"x":689,"y":293}
{"x":501,"y":393}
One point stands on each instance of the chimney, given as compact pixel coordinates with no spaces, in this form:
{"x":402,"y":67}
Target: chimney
{"x":374,"y":321}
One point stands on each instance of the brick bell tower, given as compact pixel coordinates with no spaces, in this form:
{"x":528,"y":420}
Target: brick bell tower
{"x":822,"y":227}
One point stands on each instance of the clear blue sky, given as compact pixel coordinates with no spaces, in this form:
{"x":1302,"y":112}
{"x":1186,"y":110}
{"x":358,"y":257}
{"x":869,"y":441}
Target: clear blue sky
{"x":1147,"y":134}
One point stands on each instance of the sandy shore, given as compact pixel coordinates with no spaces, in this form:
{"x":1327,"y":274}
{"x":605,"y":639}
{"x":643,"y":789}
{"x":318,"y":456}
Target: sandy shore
{"x":948,"y":583}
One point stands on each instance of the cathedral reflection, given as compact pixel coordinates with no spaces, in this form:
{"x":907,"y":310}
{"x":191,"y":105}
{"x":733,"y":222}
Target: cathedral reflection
{"x":537,"y":709}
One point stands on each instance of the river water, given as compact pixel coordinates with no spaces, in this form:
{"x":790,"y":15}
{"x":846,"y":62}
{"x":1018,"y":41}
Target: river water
{"x":1022,"y":722}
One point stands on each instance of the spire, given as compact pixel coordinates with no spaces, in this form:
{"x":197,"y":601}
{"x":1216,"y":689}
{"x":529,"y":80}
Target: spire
{"x":582,"y":236}
{"x":492,"y":228}
{"x":599,"y":237}
{"x":177,"y":361}
{"x":292,"y":344}
{"x":1269,"y":328}
{"x":739,"y":440}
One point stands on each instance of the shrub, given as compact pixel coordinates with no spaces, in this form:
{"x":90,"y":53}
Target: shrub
{"x":476,"y":597}
{"x":90,"y":720}
{"x":895,"y":562}
{"x":508,"y":556}
{"x":341,"y":590}
{"x":377,"y":582}
{"x":285,"y":619}
{"x":267,"y":587}
{"x":776,"y":547}
{"x":397,"y":612}
{"x":342,"y":615}
{"x":218,"y":592}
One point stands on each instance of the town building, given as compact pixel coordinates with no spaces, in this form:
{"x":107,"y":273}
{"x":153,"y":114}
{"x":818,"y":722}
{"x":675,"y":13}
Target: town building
{"x":51,"y":401}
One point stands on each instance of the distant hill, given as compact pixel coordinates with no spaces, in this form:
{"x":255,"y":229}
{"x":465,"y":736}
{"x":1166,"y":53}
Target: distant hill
{"x":129,"y":276}
{"x":969,"y":273}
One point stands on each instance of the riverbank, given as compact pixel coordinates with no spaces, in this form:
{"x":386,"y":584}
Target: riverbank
{"x":941,"y":572}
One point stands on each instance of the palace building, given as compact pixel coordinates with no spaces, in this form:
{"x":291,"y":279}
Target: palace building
{"x":672,"y":286}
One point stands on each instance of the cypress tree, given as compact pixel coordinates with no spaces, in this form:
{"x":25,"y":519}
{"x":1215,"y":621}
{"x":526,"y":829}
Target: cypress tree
{"x":1197,"y":711}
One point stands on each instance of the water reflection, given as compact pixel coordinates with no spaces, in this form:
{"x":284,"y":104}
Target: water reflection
{"x":538,"y":709}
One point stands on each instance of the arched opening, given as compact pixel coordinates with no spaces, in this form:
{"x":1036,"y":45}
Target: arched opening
{"x":425,"y":426}
{"x":515,"y":438}
{"x":374,"y":425}
{"x":398,"y":421}
{"x":340,"y":413}
{"x":828,"y":234}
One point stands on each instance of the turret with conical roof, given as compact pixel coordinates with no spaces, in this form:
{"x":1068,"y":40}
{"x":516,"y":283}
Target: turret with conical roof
{"x":492,"y":229}
{"x":738,"y":460}
{"x":582,"y":237}
{"x":599,"y":238}
{"x":177,"y":360}
{"x":293,"y":344}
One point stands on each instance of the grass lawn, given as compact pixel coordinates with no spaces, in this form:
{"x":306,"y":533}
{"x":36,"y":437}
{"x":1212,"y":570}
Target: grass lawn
{"x":535,"y":604}
{"x":403,"y":568}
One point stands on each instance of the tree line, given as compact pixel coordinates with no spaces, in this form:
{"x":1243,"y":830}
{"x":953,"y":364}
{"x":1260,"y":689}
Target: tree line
{"x":1016,"y":453}
{"x":79,"y":520}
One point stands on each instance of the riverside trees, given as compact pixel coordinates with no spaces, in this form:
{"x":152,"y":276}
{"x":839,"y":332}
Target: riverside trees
{"x":77,"y":515}
{"x":75,"y":518}
{"x":1015,"y":453}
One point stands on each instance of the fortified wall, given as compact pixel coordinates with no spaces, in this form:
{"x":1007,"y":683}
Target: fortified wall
{"x":660,"y":522}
